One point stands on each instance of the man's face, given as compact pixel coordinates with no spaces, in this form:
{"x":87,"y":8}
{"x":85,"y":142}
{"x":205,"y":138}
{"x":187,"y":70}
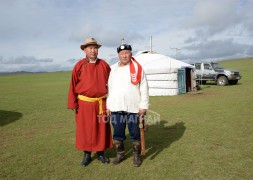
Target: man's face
{"x":125,"y":57}
{"x":91,"y":52}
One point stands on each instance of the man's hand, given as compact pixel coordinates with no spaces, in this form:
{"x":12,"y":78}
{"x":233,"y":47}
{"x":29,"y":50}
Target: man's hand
{"x":142,"y":111}
{"x":108,"y":112}
{"x":75,"y":110}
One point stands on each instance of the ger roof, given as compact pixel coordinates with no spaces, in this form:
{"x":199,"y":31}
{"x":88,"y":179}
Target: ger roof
{"x":155,"y":63}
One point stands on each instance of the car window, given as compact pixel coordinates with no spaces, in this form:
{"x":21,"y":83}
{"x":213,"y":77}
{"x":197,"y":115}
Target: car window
{"x":207,"y":66}
{"x":197,"y":65}
{"x":217,"y":66}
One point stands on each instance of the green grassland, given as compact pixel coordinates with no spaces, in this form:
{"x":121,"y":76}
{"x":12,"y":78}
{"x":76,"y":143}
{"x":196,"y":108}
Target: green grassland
{"x":208,"y":135}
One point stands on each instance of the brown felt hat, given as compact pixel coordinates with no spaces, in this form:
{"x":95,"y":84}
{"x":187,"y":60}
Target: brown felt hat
{"x":90,"y":41}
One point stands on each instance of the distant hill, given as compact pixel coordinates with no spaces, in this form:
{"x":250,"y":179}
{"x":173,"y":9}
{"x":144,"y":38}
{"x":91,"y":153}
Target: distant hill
{"x":114,"y":60}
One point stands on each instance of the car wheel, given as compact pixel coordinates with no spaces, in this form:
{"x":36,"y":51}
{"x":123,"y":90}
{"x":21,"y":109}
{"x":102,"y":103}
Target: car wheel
{"x":222,"y":81}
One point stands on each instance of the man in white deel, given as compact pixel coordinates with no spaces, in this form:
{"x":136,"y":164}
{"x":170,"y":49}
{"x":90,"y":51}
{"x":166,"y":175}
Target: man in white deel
{"x":127,"y":99}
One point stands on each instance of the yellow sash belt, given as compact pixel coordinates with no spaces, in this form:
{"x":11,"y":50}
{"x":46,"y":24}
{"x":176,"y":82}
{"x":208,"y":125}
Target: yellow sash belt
{"x":88,"y":99}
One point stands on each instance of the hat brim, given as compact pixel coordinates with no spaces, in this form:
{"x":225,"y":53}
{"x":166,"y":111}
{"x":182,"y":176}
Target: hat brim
{"x":85,"y":45}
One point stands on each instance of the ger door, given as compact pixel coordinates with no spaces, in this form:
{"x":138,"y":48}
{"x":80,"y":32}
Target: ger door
{"x":181,"y":81}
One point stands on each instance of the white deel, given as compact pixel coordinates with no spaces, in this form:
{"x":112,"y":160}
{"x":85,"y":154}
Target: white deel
{"x":122,"y":94}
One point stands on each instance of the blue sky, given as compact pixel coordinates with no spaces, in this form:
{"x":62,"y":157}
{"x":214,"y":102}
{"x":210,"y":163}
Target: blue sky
{"x":45,"y":35}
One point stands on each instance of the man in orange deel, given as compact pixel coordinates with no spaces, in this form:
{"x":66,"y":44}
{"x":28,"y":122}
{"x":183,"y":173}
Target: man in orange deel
{"x":87,"y":98}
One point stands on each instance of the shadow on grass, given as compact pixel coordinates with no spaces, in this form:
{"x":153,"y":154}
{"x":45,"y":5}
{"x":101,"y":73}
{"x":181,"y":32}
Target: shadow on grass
{"x":158,"y":138}
{"x":7,"y":117}
{"x":161,"y":137}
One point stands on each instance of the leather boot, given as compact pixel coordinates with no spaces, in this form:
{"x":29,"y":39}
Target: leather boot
{"x":86,"y":158}
{"x":136,"y":153}
{"x":102,"y":157}
{"x":119,"y":145}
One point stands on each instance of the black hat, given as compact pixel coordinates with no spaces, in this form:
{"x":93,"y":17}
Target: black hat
{"x":124,"y":47}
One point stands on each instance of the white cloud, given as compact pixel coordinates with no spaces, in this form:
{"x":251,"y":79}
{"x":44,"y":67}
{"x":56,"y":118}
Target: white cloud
{"x":212,"y":17}
{"x":53,"y":30}
{"x":24,"y":60}
{"x":218,"y":48}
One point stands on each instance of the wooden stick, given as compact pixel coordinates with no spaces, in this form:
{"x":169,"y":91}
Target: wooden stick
{"x":141,"y":126}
